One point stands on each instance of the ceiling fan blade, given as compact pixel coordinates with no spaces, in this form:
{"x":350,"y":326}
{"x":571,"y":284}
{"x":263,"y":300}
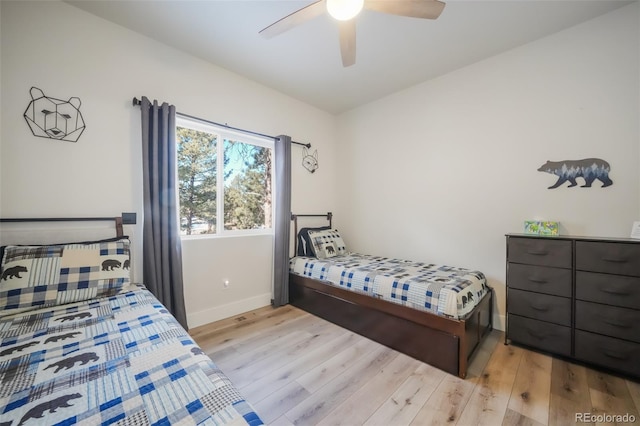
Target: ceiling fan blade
{"x":426,"y":9}
{"x":348,"y":42}
{"x":296,"y":18}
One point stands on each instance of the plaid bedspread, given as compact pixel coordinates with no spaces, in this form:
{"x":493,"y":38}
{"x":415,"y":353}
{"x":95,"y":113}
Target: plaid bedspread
{"x":120,"y":360}
{"x":439,"y":289}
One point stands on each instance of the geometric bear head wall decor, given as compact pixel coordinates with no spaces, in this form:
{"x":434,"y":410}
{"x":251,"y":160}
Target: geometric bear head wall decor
{"x":54,"y":118}
{"x":310,"y":162}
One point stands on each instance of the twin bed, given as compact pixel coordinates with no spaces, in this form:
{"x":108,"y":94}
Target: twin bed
{"x":80,"y":344}
{"x":435,"y":313}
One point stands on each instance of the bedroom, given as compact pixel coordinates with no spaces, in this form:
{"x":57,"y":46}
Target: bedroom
{"x":479,"y":132}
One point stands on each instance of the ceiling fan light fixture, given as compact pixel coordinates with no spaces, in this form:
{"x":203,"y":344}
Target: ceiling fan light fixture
{"x":343,"y":10}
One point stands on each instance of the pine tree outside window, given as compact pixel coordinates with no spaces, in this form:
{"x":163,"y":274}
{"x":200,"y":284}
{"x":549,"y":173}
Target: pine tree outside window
{"x":225,"y":180}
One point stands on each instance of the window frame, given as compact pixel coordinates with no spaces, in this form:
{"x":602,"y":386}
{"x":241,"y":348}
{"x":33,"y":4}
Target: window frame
{"x":222,"y":133}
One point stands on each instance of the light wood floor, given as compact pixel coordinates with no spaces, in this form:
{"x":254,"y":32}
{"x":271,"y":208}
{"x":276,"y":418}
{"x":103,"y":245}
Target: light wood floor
{"x":295,"y":368}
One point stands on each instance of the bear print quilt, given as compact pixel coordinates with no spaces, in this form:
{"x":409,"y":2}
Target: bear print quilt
{"x":121,"y":359}
{"x":439,"y":289}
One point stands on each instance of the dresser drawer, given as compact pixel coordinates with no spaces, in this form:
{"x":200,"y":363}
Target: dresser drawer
{"x":608,"y":352}
{"x":612,"y":258}
{"x":610,"y":289}
{"x":540,"y":334}
{"x":538,"y":251}
{"x":544,"y":307}
{"x":542,"y":279}
{"x":610,"y":320}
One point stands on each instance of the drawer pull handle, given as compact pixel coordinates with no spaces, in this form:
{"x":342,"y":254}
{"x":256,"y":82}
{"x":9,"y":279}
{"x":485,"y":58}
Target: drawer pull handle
{"x":615,"y":291}
{"x":536,"y":335}
{"x":615,"y":323}
{"x":538,"y":280}
{"x":615,"y":355}
{"x":538,"y":252}
{"x":540,"y":308}
{"x":614,"y":260}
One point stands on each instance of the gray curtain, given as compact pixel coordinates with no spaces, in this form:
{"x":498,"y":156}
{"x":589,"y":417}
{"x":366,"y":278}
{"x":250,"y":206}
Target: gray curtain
{"x":162,"y":250}
{"x":282,"y":220}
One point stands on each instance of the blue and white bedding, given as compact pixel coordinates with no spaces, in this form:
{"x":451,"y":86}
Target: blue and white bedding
{"x":443,"y":290}
{"x":121,"y":359}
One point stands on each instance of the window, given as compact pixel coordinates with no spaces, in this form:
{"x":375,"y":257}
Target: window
{"x":225,"y":180}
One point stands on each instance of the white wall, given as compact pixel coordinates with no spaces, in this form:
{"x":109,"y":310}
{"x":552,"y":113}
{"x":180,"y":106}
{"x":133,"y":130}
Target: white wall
{"x":441,"y":171}
{"x":67,"y":52}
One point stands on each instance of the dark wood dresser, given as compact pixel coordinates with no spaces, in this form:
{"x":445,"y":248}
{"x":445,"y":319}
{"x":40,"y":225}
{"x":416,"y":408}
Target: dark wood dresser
{"x":577,"y":297}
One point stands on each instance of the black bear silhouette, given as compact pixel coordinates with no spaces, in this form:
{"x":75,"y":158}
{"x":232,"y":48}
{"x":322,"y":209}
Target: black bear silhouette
{"x":197,"y":351}
{"x":14,"y":272}
{"x":68,"y":363}
{"x":18,"y":348}
{"x":38,"y":411}
{"x":125,"y":265}
{"x":62,"y":337}
{"x":109,"y":264}
{"x":74,"y":316}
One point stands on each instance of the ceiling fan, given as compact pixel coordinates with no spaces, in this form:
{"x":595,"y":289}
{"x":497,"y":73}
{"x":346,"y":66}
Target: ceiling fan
{"x":345,"y":11}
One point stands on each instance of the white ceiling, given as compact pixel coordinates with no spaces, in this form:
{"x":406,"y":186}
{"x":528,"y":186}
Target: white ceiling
{"x":393,"y":52}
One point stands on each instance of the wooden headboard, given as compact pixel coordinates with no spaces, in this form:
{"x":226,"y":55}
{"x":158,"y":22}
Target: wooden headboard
{"x":294,"y":218}
{"x":42,"y":224}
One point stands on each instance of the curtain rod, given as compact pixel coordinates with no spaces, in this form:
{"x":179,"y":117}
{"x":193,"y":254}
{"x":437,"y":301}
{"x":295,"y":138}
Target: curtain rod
{"x":137,"y":102}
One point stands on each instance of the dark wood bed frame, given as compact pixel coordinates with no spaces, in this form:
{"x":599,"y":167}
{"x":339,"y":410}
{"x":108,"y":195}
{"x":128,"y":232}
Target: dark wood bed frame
{"x":445,"y":343}
{"x":117,"y":221}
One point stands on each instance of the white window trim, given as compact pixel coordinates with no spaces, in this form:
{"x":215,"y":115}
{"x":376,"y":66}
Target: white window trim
{"x":223,"y":133}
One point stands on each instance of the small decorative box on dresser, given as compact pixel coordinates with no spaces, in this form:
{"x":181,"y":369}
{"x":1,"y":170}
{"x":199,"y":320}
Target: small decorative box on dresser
{"x":577,"y":297}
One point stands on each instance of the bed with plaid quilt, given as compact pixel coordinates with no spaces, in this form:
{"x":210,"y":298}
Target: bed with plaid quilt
{"x":121,"y":359}
{"x":444,"y":290}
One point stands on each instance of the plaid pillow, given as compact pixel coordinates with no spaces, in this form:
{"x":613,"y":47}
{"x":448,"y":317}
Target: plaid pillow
{"x":305,"y":248}
{"x":36,"y":276}
{"x":327,"y":243}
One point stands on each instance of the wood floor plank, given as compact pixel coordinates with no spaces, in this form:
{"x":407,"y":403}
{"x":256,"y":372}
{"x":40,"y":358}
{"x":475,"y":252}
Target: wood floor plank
{"x":238,"y":322}
{"x":263,"y":387}
{"x":569,"y":393}
{"x":634,"y":391}
{"x":281,"y":421}
{"x":335,"y":365}
{"x":210,"y":340}
{"x":246,"y":374}
{"x":610,"y":395}
{"x":269,"y":350}
{"x":279,"y":402}
{"x":405,"y":403}
{"x":248,"y":340}
{"x":483,"y":354}
{"x":327,"y":398}
{"x":232,"y":359}
{"x":532,"y":387}
{"x":445,"y":405}
{"x":356,"y":409}
{"x":514,"y":418}
{"x":489,"y":400}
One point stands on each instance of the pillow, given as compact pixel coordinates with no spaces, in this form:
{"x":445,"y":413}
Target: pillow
{"x":38,"y":276}
{"x":326,"y":242}
{"x":305,"y":248}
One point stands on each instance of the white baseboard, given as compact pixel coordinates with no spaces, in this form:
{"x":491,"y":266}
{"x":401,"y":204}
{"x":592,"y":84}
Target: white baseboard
{"x":499,"y":322}
{"x":217,"y":313}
